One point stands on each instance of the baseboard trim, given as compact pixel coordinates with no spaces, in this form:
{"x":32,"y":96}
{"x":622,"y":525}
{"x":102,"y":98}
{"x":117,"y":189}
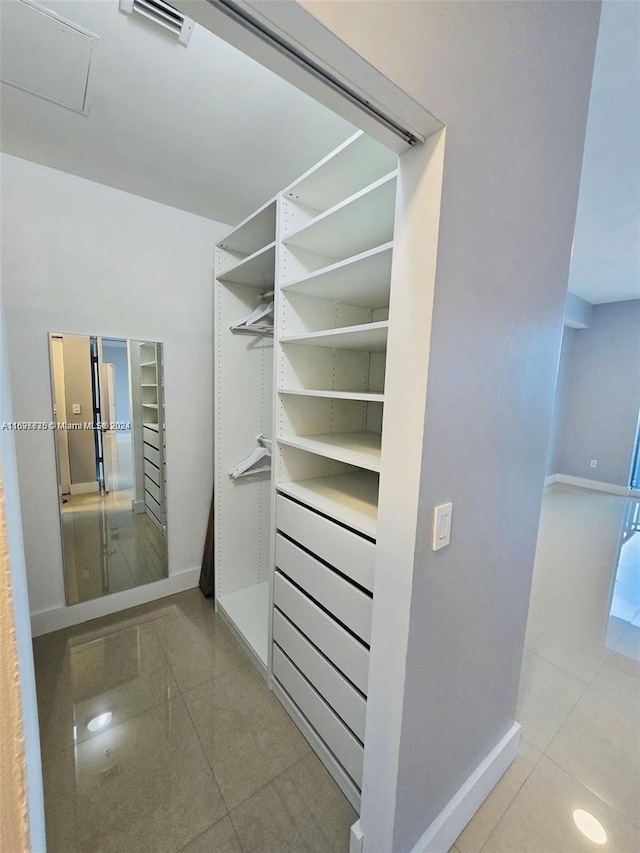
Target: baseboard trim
{"x":585,"y":483}
{"x":84,"y":488}
{"x":453,"y":818}
{"x":75,"y":614}
{"x":247,"y":648}
{"x":356,"y":839}
{"x":138,"y":507}
{"x":549,"y":481}
{"x":342,"y":779}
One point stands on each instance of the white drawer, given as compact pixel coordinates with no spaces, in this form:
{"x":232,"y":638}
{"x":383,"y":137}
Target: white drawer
{"x":342,"y":743}
{"x":150,"y":486}
{"x":341,"y":598}
{"x":152,"y":454}
{"x":150,"y":436}
{"x":152,"y":472}
{"x":346,"y":701}
{"x":343,"y":650}
{"x":348,"y":552}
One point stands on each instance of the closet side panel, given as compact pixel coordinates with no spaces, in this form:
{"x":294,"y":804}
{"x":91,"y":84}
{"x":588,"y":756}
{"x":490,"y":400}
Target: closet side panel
{"x":242,"y":372}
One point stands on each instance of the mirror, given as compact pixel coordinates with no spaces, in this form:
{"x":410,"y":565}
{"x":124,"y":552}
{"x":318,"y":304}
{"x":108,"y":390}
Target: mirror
{"x":108,"y":416}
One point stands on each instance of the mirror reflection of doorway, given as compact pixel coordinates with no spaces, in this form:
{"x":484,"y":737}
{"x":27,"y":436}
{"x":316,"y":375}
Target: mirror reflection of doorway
{"x":112,"y":502}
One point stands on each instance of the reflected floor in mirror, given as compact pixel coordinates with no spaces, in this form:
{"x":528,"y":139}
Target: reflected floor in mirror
{"x":108,"y":547}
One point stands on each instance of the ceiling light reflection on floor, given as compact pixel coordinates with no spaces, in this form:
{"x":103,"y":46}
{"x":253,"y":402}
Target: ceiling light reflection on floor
{"x":590,"y":826}
{"x":100,"y":721}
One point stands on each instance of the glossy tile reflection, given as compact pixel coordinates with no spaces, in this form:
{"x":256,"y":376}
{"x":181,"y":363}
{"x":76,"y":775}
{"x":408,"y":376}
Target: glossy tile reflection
{"x":158,"y":736}
{"x":579,"y":703}
{"x":107,"y":547}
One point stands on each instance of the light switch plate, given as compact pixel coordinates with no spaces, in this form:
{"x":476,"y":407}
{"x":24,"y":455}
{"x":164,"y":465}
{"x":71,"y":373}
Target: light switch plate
{"x":441,"y":526}
{"x":76,"y":409}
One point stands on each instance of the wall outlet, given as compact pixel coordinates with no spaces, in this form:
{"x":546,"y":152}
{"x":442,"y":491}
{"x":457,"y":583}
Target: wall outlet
{"x":593,"y":463}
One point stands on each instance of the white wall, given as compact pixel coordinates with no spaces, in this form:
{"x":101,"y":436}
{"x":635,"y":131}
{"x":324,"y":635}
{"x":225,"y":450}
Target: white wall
{"x":30,"y":727}
{"x":82,"y":258}
{"x":511,"y":81}
{"x":598,"y":402}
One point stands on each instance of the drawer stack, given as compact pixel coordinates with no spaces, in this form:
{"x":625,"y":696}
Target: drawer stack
{"x":322,"y":625}
{"x":153,"y":475}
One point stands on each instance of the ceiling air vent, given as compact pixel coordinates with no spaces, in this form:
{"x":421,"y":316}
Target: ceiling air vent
{"x":163,"y":14}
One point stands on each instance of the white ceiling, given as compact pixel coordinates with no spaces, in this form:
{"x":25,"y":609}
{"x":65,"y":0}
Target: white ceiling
{"x":605,"y":265}
{"x":202,"y":128}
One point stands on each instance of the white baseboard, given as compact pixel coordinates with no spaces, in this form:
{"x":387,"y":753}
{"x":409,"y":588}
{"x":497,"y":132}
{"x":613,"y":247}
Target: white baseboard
{"x":248,"y":649}
{"x":549,"y":481}
{"x":138,"y":507}
{"x":84,"y":488}
{"x":64,"y":617}
{"x":585,"y":483}
{"x":441,"y":835}
{"x":356,"y":839}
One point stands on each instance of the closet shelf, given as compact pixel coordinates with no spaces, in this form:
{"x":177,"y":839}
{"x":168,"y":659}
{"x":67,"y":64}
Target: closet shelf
{"x":362,"y":396}
{"x":149,"y":405}
{"x":148,"y":384}
{"x":361,"y":222}
{"x":148,"y":364}
{"x":353,"y":448}
{"x":356,"y":163}
{"x":252,"y":233}
{"x":349,"y":498}
{"x":368,"y":337}
{"x":149,"y":425}
{"x":256,"y":270}
{"x":248,"y":610}
{"x":362,"y":280}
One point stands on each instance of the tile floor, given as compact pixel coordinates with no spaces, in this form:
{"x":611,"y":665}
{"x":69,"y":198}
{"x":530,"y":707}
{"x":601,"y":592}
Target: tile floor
{"x":158,"y":736}
{"x":195,"y":755}
{"x":108,"y":548}
{"x":579,"y":702}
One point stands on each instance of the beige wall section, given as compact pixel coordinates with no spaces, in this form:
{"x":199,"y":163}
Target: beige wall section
{"x":14,"y":831}
{"x":77,"y":378}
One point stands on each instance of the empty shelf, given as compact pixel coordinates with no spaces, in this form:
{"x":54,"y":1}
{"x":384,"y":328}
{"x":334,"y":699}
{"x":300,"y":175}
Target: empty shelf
{"x":253,"y":233}
{"x":248,"y":610}
{"x":356,"y":163}
{"x":362,"y":280}
{"x":256,"y":270}
{"x":353,"y":448}
{"x":349,"y":498}
{"x":369,"y":337}
{"x":364,"y":396}
{"x":361,"y":222}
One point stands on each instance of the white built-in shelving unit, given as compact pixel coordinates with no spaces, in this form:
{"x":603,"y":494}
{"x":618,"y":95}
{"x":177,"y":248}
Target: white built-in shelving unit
{"x":295,"y":546}
{"x":147,"y":364}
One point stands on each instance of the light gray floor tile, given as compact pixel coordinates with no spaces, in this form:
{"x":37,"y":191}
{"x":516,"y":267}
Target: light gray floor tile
{"x":540,"y":818}
{"x":220,"y":838}
{"x":302,"y":811}
{"x":246,"y":734}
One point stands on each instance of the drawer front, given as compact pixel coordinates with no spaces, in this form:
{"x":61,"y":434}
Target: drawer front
{"x":349,"y":604}
{"x":339,"y":693}
{"x":150,"y":436}
{"x":152,"y":454}
{"x":151,"y":487}
{"x":343,"y":650}
{"x":331,"y":729}
{"x":152,"y":472}
{"x":348,"y":552}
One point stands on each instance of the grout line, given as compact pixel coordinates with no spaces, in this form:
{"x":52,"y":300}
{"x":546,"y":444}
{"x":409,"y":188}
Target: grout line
{"x":595,"y":794}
